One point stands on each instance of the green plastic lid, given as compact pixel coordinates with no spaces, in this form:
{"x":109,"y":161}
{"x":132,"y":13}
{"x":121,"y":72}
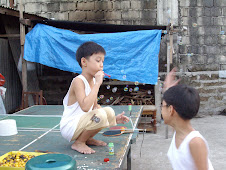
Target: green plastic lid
{"x":51,"y":161}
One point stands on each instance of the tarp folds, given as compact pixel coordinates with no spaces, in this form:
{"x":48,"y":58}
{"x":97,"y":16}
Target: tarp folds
{"x":131,"y":56}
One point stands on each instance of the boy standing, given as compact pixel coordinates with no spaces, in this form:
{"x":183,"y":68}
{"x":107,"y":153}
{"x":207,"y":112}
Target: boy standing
{"x":83,"y":118}
{"x":188,"y":149}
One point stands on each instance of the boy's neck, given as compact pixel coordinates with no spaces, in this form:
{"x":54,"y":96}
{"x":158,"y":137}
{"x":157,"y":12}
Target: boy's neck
{"x":88,"y":76}
{"x":183,"y":127}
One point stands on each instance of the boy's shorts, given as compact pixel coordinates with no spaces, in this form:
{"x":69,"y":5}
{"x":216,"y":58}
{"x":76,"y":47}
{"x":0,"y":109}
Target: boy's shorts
{"x":106,"y":117}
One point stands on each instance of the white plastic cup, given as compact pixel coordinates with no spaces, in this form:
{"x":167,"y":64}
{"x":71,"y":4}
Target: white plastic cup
{"x":8,"y":127}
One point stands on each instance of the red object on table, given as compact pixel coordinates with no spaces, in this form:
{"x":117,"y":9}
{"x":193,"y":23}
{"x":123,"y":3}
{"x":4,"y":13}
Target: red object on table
{"x":106,"y":160}
{"x":2,"y":80}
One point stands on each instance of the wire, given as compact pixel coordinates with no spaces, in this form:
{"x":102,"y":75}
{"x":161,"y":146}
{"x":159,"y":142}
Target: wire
{"x":131,"y":122}
{"x":143,"y":135}
{"x":144,"y":130}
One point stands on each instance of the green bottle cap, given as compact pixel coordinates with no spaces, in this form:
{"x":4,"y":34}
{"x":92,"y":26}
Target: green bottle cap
{"x":111,"y":144}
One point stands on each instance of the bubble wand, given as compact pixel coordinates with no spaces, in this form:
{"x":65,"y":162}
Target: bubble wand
{"x":107,"y":75}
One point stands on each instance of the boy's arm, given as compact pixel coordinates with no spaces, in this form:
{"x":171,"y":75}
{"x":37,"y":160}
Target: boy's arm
{"x":199,"y":153}
{"x":170,"y":80}
{"x":84,"y":101}
{"x":96,"y":105}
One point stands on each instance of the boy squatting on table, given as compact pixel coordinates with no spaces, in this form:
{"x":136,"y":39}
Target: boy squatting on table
{"x":83,"y":118}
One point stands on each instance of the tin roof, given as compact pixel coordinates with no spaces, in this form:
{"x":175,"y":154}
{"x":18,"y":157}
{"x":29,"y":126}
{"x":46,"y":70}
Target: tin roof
{"x":16,"y":13}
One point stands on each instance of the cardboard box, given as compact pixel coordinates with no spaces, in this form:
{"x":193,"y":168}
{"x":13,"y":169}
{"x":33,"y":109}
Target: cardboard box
{"x":15,"y":152}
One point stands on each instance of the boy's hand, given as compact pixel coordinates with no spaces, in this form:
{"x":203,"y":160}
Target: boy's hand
{"x":170,"y":80}
{"x":121,"y":119}
{"x":97,"y":107}
{"x":99,"y":77}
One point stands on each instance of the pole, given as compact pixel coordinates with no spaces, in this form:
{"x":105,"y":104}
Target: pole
{"x":158,"y":100}
{"x":171,"y":46}
{"x":22,"y":40}
{"x":169,"y":60}
{"x":11,"y":3}
{"x":168,"y":70}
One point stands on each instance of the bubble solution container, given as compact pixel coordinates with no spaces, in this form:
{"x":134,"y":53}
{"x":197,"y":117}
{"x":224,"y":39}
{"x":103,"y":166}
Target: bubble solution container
{"x":111,"y":148}
{"x":51,"y":162}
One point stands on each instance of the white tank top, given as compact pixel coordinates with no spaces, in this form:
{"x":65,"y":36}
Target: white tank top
{"x":181,"y":158}
{"x":73,"y":113}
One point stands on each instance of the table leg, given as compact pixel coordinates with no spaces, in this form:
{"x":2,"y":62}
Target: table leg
{"x":129,"y":159}
{"x":154,"y":122}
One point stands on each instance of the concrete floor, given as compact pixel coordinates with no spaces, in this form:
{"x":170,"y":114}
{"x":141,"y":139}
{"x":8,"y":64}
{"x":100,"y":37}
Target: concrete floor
{"x":155,"y":146}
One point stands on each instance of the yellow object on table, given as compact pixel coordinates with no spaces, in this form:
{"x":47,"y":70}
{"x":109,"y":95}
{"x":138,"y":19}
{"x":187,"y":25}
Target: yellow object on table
{"x":16,"y":160}
{"x":122,"y":129}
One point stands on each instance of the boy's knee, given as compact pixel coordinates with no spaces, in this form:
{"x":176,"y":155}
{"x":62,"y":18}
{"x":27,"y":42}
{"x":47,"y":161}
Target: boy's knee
{"x":109,"y":111}
{"x":102,"y":115}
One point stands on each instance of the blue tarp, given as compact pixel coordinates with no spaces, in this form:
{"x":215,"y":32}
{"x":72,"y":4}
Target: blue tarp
{"x":130,"y":56}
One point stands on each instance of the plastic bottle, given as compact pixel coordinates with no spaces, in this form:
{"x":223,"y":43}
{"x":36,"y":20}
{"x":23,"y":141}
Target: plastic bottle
{"x":111,"y":148}
{"x":130,"y":107}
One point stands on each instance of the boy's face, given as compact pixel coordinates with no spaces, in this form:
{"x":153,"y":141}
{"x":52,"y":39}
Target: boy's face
{"x":165,"y":112}
{"x":95,"y":63}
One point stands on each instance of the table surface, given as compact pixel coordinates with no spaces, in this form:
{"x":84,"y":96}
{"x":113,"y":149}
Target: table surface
{"x":34,"y":121}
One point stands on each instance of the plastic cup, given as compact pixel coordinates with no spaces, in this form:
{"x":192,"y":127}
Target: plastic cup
{"x":8,"y":127}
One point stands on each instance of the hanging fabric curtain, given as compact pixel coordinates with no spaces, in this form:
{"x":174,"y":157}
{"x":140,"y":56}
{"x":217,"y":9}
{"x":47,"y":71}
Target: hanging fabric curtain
{"x":130,"y":56}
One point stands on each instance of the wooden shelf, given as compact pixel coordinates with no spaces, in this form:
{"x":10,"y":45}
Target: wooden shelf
{"x":150,"y":126}
{"x":118,"y":83}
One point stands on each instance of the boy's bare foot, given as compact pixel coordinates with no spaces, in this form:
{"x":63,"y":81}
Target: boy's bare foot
{"x":95,"y":142}
{"x":82,"y":147}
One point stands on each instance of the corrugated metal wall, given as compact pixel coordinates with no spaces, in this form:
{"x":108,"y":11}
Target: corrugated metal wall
{"x":8,"y":69}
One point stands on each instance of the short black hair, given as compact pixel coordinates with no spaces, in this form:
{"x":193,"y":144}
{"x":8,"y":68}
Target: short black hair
{"x":184,"y":99}
{"x":87,"y":49}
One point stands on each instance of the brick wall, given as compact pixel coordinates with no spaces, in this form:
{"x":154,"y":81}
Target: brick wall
{"x":204,"y":43}
{"x":105,"y":11}
{"x":202,"y":50}
{"x":212,"y":89}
